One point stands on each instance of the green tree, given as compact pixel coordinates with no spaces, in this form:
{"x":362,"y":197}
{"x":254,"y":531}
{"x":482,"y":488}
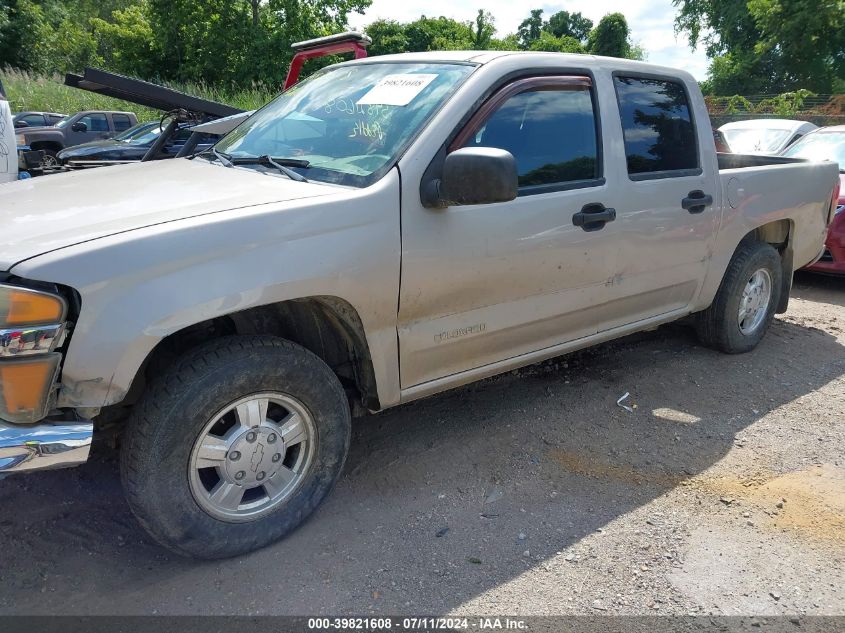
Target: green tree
{"x":552,"y":44}
{"x":564,"y":23}
{"x":530,"y":28}
{"x":72,"y":46}
{"x":483,"y":30}
{"x":431,"y":34}
{"x":127,"y":42}
{"x":225,"y":41}
{"x":611,"y":37}
{"x":24,"y":32}
{"x":507,"y":43}
{"x":768,"y":45}
{"x":388,"y":37}
{"x":207,"y":40}
{"x":809,"y":37}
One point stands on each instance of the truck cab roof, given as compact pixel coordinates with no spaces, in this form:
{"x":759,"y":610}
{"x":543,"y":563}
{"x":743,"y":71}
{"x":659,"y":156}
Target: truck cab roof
{"x":528,"y":59}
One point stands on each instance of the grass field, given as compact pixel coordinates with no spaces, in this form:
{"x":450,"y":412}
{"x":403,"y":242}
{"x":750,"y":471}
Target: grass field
{"x":27,"y":91}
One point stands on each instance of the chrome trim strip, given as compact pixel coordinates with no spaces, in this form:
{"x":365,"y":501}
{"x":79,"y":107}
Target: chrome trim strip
{"x":17,"y":342}
{"x":44,"y":446}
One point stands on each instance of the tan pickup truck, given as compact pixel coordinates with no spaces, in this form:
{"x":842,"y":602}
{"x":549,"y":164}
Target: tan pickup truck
{"x":386,"y":229}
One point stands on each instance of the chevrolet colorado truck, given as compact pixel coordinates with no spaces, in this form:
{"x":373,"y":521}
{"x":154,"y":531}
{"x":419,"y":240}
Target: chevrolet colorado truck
{"x":384,"y":230}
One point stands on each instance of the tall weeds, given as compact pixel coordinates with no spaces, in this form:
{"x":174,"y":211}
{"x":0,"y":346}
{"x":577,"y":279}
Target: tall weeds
{"x":28,"y":91}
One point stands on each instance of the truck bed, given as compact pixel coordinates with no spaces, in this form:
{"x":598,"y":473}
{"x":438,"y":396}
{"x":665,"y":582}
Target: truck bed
{"x":739,"y":161}
{"x":758,"y":190}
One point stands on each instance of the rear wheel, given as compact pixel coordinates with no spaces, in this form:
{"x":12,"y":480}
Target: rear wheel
{"x":746,"y":301}
{"x":235,"y":446}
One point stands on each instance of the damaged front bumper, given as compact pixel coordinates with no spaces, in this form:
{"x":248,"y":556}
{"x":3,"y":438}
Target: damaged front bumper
{"x":44,"y":446}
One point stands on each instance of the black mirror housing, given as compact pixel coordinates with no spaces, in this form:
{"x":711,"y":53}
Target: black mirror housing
{"x":79,"y":126}
{"x":21,"y":123}
{"x":477,"y":175}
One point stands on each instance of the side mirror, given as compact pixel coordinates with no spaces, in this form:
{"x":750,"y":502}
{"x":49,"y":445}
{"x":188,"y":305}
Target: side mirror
{"x":476,"y":175}
{"x":79,"y":126}
{"x":21,"y":123}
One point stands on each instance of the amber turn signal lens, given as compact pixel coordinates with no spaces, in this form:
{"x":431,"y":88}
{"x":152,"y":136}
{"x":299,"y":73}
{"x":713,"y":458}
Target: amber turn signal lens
{"x":19,"y":306}
{"x":25,"y":386}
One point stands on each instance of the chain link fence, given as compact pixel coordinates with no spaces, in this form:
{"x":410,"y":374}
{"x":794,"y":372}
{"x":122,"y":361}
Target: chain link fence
{"x":822,"y":110}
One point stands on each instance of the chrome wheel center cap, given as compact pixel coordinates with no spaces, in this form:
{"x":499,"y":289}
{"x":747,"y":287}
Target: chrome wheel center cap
{"x":254,"y":456}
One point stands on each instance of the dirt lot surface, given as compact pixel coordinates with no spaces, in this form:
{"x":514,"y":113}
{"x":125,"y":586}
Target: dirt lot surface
{"x":722,"y":492}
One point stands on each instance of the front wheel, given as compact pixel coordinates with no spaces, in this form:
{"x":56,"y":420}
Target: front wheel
{"x":746,"y":301}
{"x":234,"y":446}
{"x":50,"y":159}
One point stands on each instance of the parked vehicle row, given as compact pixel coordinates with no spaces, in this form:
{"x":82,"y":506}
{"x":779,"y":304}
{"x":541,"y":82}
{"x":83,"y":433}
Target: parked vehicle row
{"x":82,"y":127}
{"x":391,"y":228}
{"x":128,"y":147}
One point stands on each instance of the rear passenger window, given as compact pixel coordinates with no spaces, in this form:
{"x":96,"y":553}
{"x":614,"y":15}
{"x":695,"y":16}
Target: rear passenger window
{"x":551,"y":132}
{"x":657,"y":127}
{"x":121,"y":122}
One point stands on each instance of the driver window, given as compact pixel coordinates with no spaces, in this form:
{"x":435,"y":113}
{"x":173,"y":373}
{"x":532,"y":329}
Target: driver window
{"x":551,"y":132}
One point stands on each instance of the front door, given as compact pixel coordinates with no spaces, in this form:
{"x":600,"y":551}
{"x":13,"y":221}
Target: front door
{"x":96,"y":128}
{"x":485,"y":283}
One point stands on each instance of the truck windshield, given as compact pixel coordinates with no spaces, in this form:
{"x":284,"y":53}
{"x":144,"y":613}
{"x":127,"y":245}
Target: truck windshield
{"x":140,"y":130}
{"x":348,"y":124}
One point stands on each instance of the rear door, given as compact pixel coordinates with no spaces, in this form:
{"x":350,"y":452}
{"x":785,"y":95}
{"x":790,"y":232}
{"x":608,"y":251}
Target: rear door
{"x":665,"y":201}
{"x":120,"y":123}
{"x":485,"y":283}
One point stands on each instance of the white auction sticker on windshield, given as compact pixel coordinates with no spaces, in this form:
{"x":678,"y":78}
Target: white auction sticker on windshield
{"x":396,"y":90}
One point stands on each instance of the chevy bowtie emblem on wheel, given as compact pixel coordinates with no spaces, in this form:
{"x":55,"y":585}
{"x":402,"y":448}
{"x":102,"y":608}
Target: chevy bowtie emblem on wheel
{"x":257,"y":457}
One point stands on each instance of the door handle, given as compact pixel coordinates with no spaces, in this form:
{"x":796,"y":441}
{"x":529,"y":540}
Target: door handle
{"x":696,"y":201}
{"x":593,"y":217}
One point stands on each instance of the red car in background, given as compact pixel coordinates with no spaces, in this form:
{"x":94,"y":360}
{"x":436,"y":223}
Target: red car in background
{"x":827,"y":143}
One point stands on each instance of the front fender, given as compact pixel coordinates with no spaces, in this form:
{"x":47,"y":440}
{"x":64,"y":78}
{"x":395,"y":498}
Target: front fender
{"x":140,"y":286}
{"x":55,"y":138}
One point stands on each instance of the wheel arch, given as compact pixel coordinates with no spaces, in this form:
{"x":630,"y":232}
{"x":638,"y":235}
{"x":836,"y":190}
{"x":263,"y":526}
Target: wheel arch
{"x":779,"y":234}
{"x":327,"y":326}
{"x":46,"y":144}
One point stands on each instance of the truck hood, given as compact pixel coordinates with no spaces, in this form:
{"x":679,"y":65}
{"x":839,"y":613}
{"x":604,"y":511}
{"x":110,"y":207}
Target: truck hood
{"x":52,"y":212}
{"x":35,"y":129}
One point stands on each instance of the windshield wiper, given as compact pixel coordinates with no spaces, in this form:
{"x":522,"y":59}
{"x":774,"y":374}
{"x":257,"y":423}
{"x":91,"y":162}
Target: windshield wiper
{"x":225,"y":159}
{"x":282,"y":164}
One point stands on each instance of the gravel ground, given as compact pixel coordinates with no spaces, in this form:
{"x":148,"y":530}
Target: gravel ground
{"x":532,"y":493}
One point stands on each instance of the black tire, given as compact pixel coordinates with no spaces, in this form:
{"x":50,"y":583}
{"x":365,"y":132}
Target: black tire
{"x":165,"y":424}
{"x":718,"y":326}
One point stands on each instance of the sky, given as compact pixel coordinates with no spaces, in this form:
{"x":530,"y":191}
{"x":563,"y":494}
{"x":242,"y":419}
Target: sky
{"x":651,"y":21}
